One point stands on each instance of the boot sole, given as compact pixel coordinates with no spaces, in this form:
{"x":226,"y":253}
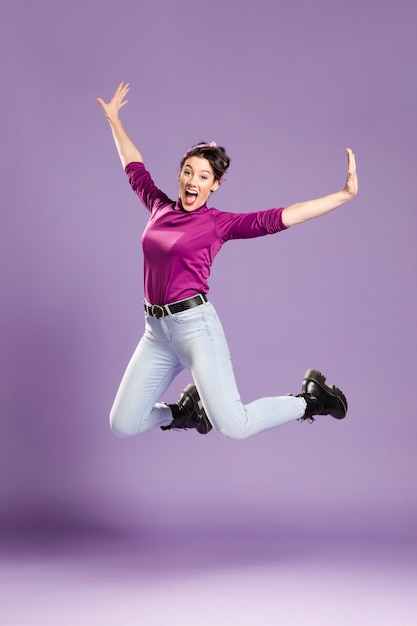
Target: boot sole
{"x":317,"y":377}
{"x":191,"y":391}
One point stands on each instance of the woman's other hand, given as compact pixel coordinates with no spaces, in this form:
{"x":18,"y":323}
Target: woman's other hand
{"x":111,"y":109}
{"x":351,"y":185}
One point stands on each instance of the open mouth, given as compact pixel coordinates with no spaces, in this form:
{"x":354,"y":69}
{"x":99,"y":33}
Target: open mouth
{"x":190,"y":196}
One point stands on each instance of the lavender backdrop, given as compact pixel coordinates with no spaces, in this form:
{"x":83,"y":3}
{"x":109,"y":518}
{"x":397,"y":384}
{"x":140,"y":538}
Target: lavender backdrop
{"x":285,"y":86}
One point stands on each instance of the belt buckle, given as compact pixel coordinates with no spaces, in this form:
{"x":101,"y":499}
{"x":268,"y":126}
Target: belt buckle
{"x":157,"y":311}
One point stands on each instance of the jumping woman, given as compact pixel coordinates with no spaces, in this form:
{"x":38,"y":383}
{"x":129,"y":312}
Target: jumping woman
{"x":182,"y":329}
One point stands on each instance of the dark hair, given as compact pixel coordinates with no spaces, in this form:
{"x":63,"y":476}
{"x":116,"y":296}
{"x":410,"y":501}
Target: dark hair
{"x":215,"y":155}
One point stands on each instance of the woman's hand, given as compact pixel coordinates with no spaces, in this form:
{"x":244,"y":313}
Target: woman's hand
{"x":112,"y":108}
{"x":351,"y":186}
{"x":127,"y":150}
{"x":309,"y":209}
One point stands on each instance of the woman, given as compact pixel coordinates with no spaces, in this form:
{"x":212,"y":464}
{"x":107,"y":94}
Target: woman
{"x":182,"y":328}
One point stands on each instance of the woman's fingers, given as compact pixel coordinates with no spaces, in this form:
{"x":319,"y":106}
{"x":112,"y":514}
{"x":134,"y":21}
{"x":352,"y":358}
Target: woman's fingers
{"x":352,"y":178}
{"x":121,"y":91}
{"x":120,"y":94}
{"x":118,"y":100}
{"x":351,"y":160}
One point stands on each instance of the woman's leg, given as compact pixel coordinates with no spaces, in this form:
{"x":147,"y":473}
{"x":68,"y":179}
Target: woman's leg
{"x":201,"y":346}
{"x":149,"y":373}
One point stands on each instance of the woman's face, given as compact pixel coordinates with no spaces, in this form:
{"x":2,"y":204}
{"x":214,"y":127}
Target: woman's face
{"x":196,"y":182}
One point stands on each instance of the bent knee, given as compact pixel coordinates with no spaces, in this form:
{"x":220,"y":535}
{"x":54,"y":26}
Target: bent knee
{"x":121,"y":427}
{"x":234,"y":434}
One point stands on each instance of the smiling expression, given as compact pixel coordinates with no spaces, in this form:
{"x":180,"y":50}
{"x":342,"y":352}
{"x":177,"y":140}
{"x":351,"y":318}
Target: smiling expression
{"x":196,"y":183}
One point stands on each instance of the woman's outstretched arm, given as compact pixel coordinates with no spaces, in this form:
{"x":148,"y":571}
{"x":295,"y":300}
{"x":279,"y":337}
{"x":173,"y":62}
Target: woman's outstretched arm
{"x":127,"y":150}
{"x":303,"y":211}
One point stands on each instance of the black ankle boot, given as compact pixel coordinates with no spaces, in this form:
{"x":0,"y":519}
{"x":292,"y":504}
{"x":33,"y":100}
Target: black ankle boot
{"x":321,"y":399}
{"x":188,"y":412}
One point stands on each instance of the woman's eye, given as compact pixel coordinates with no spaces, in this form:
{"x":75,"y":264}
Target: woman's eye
{"x":204,"y":177}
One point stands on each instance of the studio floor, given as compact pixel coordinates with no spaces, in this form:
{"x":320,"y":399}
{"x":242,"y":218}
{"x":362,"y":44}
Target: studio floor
{"x":97,"y":581}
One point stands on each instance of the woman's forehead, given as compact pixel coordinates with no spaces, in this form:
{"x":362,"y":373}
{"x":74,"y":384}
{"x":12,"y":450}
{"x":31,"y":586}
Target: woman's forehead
{"x":198,"y":163}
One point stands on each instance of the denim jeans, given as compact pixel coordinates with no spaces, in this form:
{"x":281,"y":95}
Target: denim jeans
{"x":193,"y":339}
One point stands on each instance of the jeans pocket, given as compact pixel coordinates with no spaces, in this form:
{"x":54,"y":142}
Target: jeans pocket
{"x":188,"y":316}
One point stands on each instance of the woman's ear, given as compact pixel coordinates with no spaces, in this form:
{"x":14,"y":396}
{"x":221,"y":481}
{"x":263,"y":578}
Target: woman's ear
{"x":215,"y":185}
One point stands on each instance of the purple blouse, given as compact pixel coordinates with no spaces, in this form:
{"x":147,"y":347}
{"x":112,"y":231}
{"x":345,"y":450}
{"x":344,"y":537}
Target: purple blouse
{"x":179,"y":246}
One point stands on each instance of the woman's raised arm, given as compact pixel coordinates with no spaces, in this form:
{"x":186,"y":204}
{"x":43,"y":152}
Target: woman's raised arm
{"x":303,"y":211}
{"x":127,"y":150}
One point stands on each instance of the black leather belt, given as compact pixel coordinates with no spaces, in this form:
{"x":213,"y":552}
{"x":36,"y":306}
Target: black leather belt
{"x":155,"y":310}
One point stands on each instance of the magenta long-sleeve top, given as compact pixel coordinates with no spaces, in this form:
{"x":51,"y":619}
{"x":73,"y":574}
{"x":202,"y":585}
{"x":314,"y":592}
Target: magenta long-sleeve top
{"x":179,"y":246}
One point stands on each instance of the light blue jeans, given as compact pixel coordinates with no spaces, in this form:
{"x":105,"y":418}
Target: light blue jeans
{"x":193,"y":339}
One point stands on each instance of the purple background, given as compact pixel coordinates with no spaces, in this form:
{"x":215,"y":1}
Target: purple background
{"x":286,"y":87}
